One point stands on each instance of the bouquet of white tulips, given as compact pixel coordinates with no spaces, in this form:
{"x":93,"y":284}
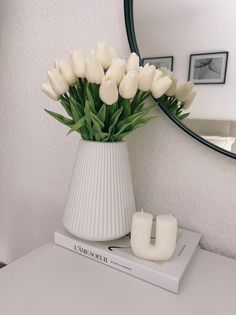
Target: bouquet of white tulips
{"x":104,"y":96}
{"x":177,"y":98}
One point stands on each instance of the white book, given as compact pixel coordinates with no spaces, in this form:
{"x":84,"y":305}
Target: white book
{"x":118,"y":254}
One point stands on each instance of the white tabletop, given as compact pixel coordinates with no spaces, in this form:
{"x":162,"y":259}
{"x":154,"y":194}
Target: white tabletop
{"x":55,"y":281}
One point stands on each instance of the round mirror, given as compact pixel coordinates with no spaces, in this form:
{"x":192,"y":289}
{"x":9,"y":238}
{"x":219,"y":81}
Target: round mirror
{"x":194,"y":40}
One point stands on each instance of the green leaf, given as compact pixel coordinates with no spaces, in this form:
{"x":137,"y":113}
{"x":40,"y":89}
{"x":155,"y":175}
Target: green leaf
{"x":95,"y":93}
{"x":138,"y":108}
{"x":66,"y":105}
{"x":144,"y":96}
{"x":102,"y":113}
{"x":84,"y":93}
{"x":60,"y":118}
{"x":98,"y":133}
{"x":130,"y":119}
{"x":75,"y":111}
{"x":175,"y":111}
{"x":140,"y":123}
{"x":179,"y":110}
{"x":147,"y":109}
{"x":135,"y":99}
{"x":96,"y":120}
{"x":90,"y":99}
{"x":79,"y":94}
{"x":65,"y":96}
{"x":127,"y":122}
{"x":84,"y":132}
{"x":88,"y":119}
{"x":172,"y":103}
{"x":126,"y":108}
{"x":72,"y":91}
{"x":138,"y":99}
{"x":82,"y":83}
{"x":78,"y":125}
{"x":111,"y":109}
{"x":114,"y":119}
{"x":79,"y":105}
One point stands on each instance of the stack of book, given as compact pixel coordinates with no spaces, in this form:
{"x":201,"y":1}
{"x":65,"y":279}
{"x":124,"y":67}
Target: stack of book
{"x":118,"y":254}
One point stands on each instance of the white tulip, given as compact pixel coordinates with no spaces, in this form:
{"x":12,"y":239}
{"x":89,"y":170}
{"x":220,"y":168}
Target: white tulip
{"x":166,"y":72}
{"x":160,"y":86}
{"x":145,"y":77}
{"x":129,"y":85}
{"x":158,"y":75}
{"x":78,"y":63}
{"x":183,"y":90}
{"x":47,"y":89}
{"x":112,"y":53}
{"x":65,"y":67}
{"x":58,"y":83}
{"x":132,"y":62}
{"x":103,"y":54}
{"x":116,"y":71}
{"x":172,"y":89}
{"x":189,"y":100}
{"x":93,"y":70}
{"x":108,"y":91}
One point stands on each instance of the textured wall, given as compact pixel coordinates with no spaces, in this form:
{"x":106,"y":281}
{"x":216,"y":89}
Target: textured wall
{"x":171,"y":171}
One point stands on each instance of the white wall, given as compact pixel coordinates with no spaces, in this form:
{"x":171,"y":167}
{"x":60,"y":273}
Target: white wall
{"x":192,"y":27}
{"x":171,"y":171}
{"x":36,"y":156}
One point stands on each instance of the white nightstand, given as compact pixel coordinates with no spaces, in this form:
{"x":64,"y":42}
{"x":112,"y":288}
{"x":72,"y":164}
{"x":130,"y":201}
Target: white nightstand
{"x":55,"y":281}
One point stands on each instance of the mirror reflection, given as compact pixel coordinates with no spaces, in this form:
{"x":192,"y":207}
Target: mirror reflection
{"x":196,"y":40}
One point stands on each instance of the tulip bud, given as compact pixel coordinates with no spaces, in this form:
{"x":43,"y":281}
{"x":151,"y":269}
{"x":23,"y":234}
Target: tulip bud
{"x":58,"y":83}
{"x":172,"y":89}
{"x":145,"y":77}
{"x":93,"y":70}
{"x":65,"y":67}
{"x":78,"y":63}
{"x":159,"y":87}
{"x":132,"y":62}
{"x":108,"y":91}
{"x":47,"y":89}
{"x":116,"y":71}
{"x":103,"y":55}
{"x":183,"y":91}
{"x":112,"y":53}
{"x":129,"y":85}
{"x":189,"y":100}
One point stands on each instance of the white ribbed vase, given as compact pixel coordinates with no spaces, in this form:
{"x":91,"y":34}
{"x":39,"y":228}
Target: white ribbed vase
{"x":100,"y":202}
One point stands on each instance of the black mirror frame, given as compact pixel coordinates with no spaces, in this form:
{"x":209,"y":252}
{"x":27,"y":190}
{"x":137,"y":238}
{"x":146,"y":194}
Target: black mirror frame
{"x":130,"y":29}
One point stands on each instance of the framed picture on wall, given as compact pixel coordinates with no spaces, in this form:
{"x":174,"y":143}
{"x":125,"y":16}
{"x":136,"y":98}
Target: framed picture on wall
{"x":208,"y":68}
{"x":160,"y":62}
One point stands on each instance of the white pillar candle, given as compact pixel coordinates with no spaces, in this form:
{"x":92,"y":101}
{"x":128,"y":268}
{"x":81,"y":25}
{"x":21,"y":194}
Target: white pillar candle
{"x":166,"y":234}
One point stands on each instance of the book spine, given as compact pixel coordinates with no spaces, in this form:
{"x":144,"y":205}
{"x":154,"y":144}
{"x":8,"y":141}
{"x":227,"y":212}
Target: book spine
{"x":117,"y":262}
